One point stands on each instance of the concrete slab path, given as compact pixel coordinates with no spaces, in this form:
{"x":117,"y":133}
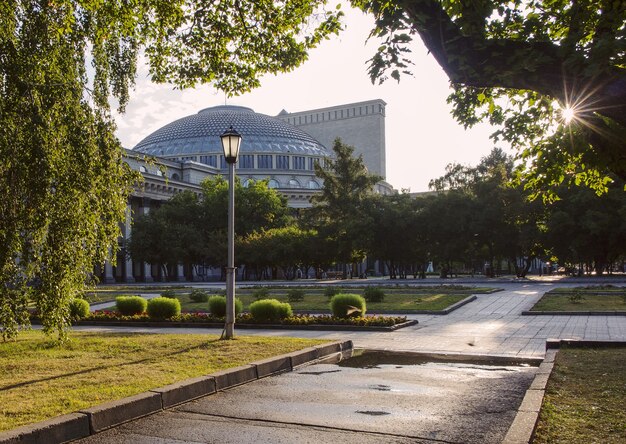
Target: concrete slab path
{"x":418,"y":405}
{"x":492,"y":325}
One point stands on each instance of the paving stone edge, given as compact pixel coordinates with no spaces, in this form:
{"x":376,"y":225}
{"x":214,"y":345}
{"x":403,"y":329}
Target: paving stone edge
{"x":522,"y":429}
{"x":104,"y":416}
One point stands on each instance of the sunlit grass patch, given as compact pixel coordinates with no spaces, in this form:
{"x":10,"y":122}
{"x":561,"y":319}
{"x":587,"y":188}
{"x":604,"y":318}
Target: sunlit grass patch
{"x":584,"y":401}
{"x":40,"y":379}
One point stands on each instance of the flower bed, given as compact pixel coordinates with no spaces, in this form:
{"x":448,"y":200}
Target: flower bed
{"x":246,"y":318}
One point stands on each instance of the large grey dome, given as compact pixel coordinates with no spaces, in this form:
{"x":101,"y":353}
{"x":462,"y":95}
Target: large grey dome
{"x":199,"y":134}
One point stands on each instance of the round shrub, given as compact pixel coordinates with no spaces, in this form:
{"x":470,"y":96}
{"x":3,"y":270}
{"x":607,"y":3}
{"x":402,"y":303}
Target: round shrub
{"x":374,"y":294}
{"x":79,"y":308}
{"x":163,"y":308}
{"x":329,"y":292}
{"x":261,"y":293}
{"x":198,"y":295}
{"x":346,"y":305}
{"x":217,"y":306}
{"x":295,"y":295}
{"x":130,"y":305}
{"x":270,"y":310}
{"x":168,"y":294}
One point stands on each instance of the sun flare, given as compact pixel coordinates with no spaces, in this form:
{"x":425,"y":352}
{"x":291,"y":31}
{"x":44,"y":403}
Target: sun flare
{"x":568,"y":114}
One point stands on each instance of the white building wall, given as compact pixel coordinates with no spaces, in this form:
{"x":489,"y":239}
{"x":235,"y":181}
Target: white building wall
{"x":361,"y":125}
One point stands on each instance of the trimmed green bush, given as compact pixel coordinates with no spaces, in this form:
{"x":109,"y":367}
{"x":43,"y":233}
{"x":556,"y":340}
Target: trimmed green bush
{"x":346,"y":305}
{"x":295,"y":295}
{"x":79,"y":308}
{"x":217,"y":306}
{"x":130,"y":305}
{"x":168,"y":294}
{"x":374,"y":294}
{"x":261,"y":293}
{"x":270,"y":310}
{"x":198,"y":295}
{"x":163,"y":308}
{"x":329,"y":292}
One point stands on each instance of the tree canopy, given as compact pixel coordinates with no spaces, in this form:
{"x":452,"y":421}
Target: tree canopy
{"x":550,"y":74}
{"x":64,"y":181}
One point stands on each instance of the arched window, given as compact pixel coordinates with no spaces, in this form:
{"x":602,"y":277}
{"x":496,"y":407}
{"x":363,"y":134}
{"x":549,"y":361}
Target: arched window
{"x":293,"y":183}
{"x":247,"y":183}
{"x":273,"y":183}
{"x":313,"y":185}
{"x":175,"y":176}
{"x":142,"y":169}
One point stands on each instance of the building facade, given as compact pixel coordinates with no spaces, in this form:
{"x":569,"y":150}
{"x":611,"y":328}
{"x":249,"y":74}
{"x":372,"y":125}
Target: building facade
{"x":361,"y":125}
{"x":183,"y":153}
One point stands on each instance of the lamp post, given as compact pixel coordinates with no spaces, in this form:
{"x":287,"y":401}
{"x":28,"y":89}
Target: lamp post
{"x":231,"y":140}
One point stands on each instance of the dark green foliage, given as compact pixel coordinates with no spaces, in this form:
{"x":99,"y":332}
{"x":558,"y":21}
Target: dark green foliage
{"x":338,"y":211}
{"x":345,"y":305}
{"x":79,"y":308}
{"x":217,"y":306}
{"x":168,"y":294}
{"x":329,"y":292}
{"x":521,"y":66}
{"x":163,"y":308}
{"x":198,"y":295}
{"x":374,"y":294}
{"x":261,"y":293}
{"x":270,"y":310}
{"x":130,"y":305}
{"x":295,"y":295}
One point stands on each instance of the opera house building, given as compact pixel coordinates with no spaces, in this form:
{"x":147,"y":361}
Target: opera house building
{"x":282,"y":149}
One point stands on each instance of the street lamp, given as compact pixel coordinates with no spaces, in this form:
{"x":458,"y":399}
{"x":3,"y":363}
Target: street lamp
{"x":231,"y":140}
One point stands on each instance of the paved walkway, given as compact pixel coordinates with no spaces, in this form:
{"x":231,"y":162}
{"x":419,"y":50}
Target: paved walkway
{"x":491,"y":325}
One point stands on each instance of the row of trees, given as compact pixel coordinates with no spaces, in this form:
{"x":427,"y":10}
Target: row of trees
{"x":474,"y":217}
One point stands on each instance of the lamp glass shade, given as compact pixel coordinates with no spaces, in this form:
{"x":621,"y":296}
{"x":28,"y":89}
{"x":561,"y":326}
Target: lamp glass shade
{"x":231,"y":140}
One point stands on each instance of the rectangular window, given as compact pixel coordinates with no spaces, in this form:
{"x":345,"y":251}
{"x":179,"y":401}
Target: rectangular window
{"x":223,"y":163}
{"x":209,"y":160}
{"x":265,"y":161}
{"x":282,"y":162}
{"x":298,"y":162}
{"x":312,"y":161}
{"x":246,"y":161}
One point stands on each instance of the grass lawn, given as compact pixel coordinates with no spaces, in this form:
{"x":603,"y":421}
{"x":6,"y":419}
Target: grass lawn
{"x":563,"y":299}
{"x":584,"y":400}
{"x":40,"y":379}
{"x":398,"y":302}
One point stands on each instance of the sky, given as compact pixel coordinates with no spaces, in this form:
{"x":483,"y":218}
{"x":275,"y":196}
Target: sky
{"x":422,"y":137}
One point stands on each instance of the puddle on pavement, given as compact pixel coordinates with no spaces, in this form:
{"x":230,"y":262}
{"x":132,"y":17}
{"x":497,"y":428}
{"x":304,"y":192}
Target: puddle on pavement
{"x":374,"y":359}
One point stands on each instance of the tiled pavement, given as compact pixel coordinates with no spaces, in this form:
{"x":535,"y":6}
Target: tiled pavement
{"x":492,"y":324}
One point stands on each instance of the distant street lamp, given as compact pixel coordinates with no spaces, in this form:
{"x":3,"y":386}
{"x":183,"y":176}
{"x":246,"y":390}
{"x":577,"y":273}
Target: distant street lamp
{"x":231,"y":140}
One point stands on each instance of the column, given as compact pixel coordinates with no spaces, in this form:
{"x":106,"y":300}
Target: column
{"x":108,"y":273}
{"x":127,"y":229}
{"x":147,"y":268}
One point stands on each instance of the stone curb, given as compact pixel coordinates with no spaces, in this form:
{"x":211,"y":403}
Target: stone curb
{"x":523,"y":427}
{"x":59,"y":429}
{"x":107,"y":415}
{"x":95,"y":419}
{"x":459,"y":304}
{"x":573,"y":313}
{"x":317,"y":327}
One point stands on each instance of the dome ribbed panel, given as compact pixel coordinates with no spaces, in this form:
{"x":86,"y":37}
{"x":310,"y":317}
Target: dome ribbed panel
{"x":200,"y":134}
